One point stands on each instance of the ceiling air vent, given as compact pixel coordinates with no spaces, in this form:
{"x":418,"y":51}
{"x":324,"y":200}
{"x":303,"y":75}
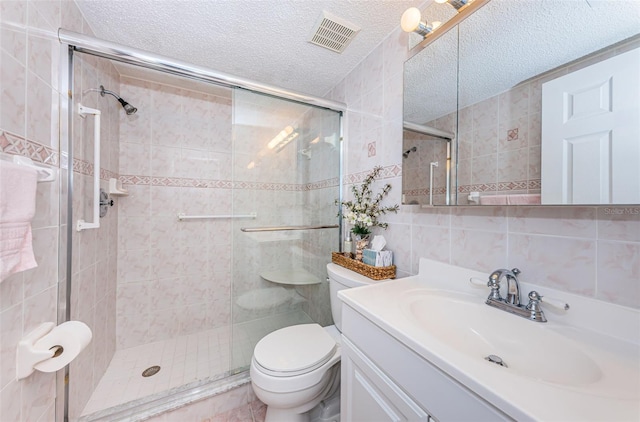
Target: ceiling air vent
{"x":333,"y":33}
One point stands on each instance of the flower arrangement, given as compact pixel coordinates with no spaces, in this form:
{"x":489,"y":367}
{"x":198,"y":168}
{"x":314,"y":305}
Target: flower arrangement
{"x":363,"y":211}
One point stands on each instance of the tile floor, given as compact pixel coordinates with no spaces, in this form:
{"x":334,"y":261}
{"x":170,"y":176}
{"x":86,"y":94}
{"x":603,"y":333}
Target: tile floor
{"x":210,"y":354}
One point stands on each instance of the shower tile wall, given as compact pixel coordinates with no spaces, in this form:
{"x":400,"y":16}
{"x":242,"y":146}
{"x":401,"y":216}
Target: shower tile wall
{"x":94,"y":257}
{"x":29,"y":125}
{"x":592,"y":251}
{"x":417,"y":168}
{"x":173,"y":277}
{"x":319,"y":209}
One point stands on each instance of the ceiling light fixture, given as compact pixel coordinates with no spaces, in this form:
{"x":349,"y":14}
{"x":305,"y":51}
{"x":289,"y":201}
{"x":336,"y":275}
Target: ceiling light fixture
{"x":456,"y":4}
{"x":411,"y":20}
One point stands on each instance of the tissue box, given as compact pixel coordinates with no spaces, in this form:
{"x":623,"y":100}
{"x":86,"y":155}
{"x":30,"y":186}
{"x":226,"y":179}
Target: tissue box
{"x":377,"y":258}
{"x":369,"y":256}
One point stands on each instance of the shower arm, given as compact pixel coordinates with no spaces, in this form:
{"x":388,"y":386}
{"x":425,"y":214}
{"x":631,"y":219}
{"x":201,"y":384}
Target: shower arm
{"x":128,"y":108}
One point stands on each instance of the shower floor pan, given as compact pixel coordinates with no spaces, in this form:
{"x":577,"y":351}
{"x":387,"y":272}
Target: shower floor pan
{"x":186,"y":363}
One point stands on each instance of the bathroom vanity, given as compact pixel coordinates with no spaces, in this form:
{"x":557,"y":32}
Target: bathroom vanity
{"x":417,"y":348}
{"x":383,"y":379}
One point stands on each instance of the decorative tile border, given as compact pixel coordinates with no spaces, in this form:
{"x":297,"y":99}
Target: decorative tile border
{"x":107,"y":174}
{"x":82,"y":167}
{"x":17,"y":145}
{"x":224,"y":184}
{"x":501,"y":186}
{"x":323,"y":184}
{"x":425,"y":191}
{"x":394,"y":170}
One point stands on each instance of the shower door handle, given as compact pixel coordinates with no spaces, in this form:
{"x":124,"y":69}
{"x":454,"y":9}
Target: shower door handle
{"x":83,"y":225}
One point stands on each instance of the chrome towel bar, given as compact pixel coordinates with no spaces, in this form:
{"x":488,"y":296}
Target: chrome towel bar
{"x":182,"y":216}
{"x":284,"y":228}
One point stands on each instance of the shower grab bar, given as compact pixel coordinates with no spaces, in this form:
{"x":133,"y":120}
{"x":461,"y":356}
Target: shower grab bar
{"x":83,"y":225}
{"x":183,"y":216}
{"x":285,"y":228}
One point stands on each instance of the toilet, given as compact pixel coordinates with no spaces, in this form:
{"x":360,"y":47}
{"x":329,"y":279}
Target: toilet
{"x":296,"y":368}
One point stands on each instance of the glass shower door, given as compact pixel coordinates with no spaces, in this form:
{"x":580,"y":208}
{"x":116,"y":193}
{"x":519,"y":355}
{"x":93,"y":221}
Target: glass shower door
{"x":286,"y":168}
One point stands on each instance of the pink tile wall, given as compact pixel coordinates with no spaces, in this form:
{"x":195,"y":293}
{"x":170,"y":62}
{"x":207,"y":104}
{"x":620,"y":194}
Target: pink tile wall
{"x":29,"y":125}
{"x":592,"y":251}
{"x":94,"y":258}
{"x":173,"y":277}
{"x":29,"y":298}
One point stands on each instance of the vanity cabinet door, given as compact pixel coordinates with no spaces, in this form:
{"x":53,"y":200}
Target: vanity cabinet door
{"x":369,"y":395}
{"x":422,"y":383}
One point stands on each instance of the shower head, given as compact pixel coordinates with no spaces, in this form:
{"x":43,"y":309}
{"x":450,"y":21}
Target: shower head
{"x":409,"y":151}
{"x":128,"y":108}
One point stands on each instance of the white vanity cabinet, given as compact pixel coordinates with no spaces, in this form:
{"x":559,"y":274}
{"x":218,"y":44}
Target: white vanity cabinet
{"x":384,"y":380}
{"x":370,"y":395}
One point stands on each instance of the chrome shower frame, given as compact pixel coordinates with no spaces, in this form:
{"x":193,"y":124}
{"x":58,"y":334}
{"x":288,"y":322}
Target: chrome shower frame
{"x":72,"y":42}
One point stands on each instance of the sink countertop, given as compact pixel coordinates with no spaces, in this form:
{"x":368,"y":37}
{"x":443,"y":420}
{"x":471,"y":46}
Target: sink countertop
{"x":608,"y":335}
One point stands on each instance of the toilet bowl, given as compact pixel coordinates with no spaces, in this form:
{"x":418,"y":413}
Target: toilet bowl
{"x":295,"y":368}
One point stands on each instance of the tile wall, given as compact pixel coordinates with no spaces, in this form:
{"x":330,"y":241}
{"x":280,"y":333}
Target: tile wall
{"x":94,"y":256}
{"x":592,"y":251}
{"x":417,"y":169}
{"x":29,"y":125}
{"x":174,"y":278}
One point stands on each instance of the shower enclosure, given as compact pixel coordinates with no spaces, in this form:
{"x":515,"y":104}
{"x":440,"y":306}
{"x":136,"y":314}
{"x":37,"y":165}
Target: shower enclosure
{"x":223,"y":234}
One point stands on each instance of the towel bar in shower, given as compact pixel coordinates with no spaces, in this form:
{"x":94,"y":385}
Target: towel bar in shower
{"x":183,"y":216}
{"x":284,"y":228}
{"x":45,"y":174}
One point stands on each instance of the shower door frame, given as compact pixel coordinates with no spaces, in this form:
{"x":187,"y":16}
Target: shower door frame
{"x":75,"y":42}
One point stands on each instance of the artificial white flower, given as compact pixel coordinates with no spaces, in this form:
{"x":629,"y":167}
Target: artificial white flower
{"x":363,"y":211}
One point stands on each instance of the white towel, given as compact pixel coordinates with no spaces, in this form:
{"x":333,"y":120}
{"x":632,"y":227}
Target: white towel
{"x":493,"y":199}
{"x":18,"y":186}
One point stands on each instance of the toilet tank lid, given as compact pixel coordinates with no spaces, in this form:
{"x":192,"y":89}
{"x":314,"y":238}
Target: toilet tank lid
{"x":347,"y":277}
{"x":295,"y":348}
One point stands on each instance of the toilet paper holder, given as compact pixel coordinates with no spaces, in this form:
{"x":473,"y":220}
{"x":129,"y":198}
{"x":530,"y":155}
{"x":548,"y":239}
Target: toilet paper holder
{"x":32,"y":355}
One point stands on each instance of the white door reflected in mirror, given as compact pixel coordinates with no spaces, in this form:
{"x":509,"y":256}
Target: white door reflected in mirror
{"x":591,"y":134}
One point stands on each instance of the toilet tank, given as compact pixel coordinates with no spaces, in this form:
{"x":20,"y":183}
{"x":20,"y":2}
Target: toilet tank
{"x":342,"y":278}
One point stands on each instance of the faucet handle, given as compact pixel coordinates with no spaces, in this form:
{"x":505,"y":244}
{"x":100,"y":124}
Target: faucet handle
{"x":535,"y":299}
{"x":478,"y":282}
{"x":494,"y":283}
{"x":557,"y":303}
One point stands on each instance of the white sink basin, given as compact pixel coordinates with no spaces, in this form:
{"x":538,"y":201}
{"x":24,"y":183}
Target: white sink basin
{"x":528,"y":348}
{"x":583,"y":364}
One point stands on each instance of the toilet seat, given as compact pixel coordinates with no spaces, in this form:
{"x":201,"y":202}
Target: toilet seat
{"x":294,"y":350}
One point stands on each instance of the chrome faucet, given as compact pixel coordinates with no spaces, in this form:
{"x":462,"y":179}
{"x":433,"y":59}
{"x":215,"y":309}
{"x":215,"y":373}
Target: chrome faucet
{"x":512,"y":303}
{"x":513,"y":287}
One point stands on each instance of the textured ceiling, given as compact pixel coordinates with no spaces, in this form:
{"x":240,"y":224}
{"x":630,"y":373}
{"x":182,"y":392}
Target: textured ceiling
{"x":260,"y":40}
{"x":507,"y":42}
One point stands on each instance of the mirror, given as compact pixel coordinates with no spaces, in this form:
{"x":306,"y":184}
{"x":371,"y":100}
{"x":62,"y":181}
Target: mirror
{"x":483,"y":81}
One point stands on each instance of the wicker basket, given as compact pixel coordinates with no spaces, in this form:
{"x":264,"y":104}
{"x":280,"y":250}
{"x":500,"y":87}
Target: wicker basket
{"x":375,"y":273}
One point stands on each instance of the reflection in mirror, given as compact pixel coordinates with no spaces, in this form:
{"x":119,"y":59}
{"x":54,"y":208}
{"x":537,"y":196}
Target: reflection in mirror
{"x":423,"y":105}
{"x":506,"y":55}
{"x":426,"y":165}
